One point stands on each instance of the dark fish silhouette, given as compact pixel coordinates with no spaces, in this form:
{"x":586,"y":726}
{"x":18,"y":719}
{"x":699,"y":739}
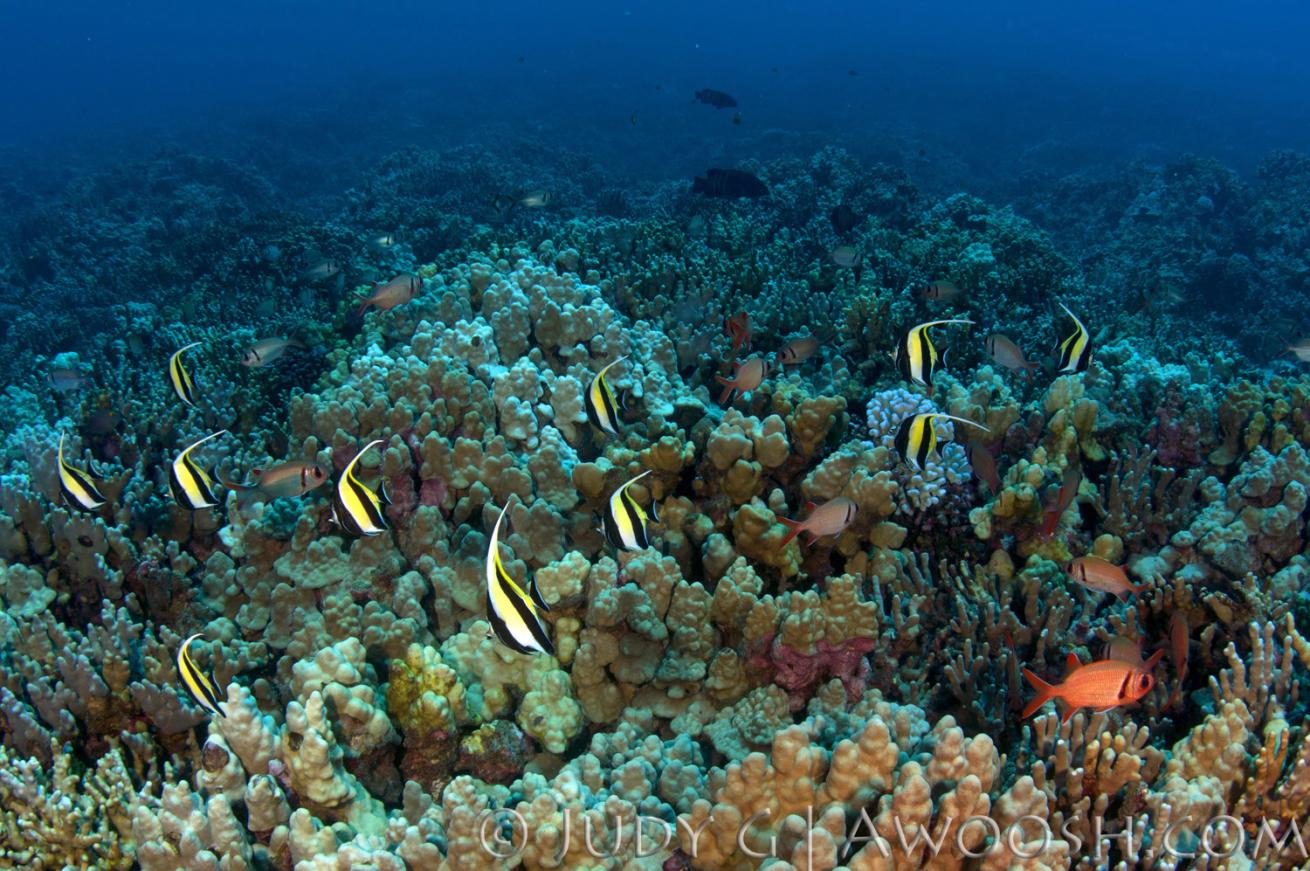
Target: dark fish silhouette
{"x":717,"y":99}
{"x":844,"y":219}
{"x":729,"y":183}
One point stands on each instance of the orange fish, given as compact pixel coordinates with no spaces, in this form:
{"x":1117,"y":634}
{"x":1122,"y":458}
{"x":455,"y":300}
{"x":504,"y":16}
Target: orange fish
{"x":984,"y":466}
{"x":1095,"y":573}
{"x":295,"y":478}
{"x":1101,"y":685}
{"x":738,"y":328}
{"x":749,"y":376}
{"x":397,"y":291}
{"x":798,"y":350}
{"x":830,"y":518}
{"x":1063,"y":499}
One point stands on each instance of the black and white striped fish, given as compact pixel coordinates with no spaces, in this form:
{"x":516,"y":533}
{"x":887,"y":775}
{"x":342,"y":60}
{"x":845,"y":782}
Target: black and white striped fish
{"x":179,"y":378}
{"x":916,"y":440}
{"x":192,"y":487}
{"x":915,"y":356}
{"x":602,"y":408}
{"x":515,"y":615}
{"x":356,"y":508}
{"x":625,"y":521}
{"x":78,"y":488}
{"x":200,"y":684}
{"x":1075,"y":350}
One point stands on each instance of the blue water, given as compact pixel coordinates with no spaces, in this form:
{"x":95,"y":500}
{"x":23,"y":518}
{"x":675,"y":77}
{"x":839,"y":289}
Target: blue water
{"x":986,"y":81}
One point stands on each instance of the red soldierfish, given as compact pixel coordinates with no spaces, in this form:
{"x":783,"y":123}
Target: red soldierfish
{"x":830,"y":518}
{"x":267,"y":351}
{"x":397,"y":291}
{"x":749,"y":376}
{"x":295,"y":478}
{"x":738,"y":328}
{"x":1101,"y":685}
{"x":798,"y":350}
{"x":984,"y":466}
{"x":1006,"y":353}
{"x":1068,"y":491}
{"x":1095,"y":573}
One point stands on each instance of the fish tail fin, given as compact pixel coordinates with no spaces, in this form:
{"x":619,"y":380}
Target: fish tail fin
{"x":363,"y":307}
{"x":793,"y":529}
{"x":729,"y":391}
{"x":1045,"y":692}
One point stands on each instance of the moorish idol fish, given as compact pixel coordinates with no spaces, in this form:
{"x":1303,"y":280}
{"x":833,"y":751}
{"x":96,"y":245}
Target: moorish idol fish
{"x":179,"y":378}
{"x":1076,"y":348}
{"x":200,"y":684}
{"x":191,"y":486}
{"x":515,"y":615}
{"x":78,"y":488}
{"x":625,"y":521}
{"x":602,"y":409}
{"x":915,"y":357}
{"x":356,"y":508}
{"x":916,"y":440}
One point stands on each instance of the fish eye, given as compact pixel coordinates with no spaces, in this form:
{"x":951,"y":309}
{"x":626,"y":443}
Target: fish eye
{"x":1145,"y":682}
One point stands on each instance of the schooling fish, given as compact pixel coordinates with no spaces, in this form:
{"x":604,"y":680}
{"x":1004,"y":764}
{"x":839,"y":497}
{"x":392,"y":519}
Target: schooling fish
{"x":321,"y":270}
{"x":845,"y":256}
{"x":64,"y":379}
{"x":1125,"y":650}
{"x":602,"y":409}
{"x":267,"y":351}
{"x":192,"y":487}
{"x":749,"y":376}
{"x":738,"y":328}
{"x":397,"y":291}
{"x":1299,"y":349}
{"x":798,"y":350}
{"x":984,"y":465}
{"x":385,"y":242}
{"x":717,"y":99}
{"x":844,"y":219}
{"x":1075,"y":350}
{"x":295,"y":478}
{"x":535,"y":199}
{"x":941,"y":290}
{"x":830,"y":518}
{"x":1063,"y":499}
{"x":728,"y":183}
{"x":916,"y":357}
{"x":1103,"y":576}
{"x":1006,"y":353}
{"x":179,"y":378}
{"x":78,"y":488}
{"x":515,"y":615}
{"x":916,"y":440}
{"x":1101,"y":685}
{"x":200,"y":684}
{"x":356,"y":508}
{"x":625,"y":521}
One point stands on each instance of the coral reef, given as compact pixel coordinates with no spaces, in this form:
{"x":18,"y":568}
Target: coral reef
{"x":720,"y":699}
